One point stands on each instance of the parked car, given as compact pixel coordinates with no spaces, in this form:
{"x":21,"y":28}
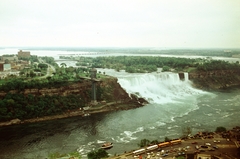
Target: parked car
{"x":204,"y":147}
{"x":165,"y":154}
{"x":159,"y":149}
{"x":216,"y":147}
{"x":211,"y":149}
{"x":202,"y":150}
{"x":207,"y":144}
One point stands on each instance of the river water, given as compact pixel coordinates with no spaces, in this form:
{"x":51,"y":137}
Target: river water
{"x":173,"y":105}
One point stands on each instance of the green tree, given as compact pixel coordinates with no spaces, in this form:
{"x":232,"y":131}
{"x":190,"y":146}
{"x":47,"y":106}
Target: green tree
{"x":32,"y":74}
{"x":21,"y":72}
{"x":57,"y":155}
{"x":3,"y":110}
{"x":144,"y":142}
{"x":220,"y":129}
{"x":165,"y":68}
{"x":35,"y":66}
{"x":97,"y":154}
{"x":42,"y":66}
{"x":64,"y":65}
{"x":167,"y":139}
{"x":154,"y":142}
{"x":186,"y":131}
{"x":130,"y":69}
{"x":7,"y":61}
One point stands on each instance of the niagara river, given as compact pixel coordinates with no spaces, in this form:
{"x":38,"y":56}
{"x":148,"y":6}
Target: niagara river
{"x":173,"y":105}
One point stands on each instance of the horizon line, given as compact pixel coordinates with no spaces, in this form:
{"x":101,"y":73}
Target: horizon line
{"x":122,"y":47}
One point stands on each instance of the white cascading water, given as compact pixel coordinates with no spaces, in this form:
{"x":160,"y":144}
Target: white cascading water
{"x":186,"y":78}
{"x":158,"y":88}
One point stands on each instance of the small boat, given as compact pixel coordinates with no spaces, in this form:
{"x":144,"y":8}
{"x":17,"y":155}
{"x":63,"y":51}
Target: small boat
{"x":107,"y":145}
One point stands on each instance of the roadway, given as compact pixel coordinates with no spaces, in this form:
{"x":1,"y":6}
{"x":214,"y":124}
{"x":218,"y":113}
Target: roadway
{"x":225,"y":149}
{"x":50,"y":69}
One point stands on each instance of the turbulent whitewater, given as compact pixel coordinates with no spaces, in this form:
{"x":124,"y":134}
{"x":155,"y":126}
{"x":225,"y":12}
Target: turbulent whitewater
{"x":159,"y":88}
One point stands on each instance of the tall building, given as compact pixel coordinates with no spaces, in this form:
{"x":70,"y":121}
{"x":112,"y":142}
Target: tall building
{"x":23,"y":54}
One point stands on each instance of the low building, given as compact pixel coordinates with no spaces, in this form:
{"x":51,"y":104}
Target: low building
{"x":16,"y":67}
{"x":9,"y":58}
{"x":5,"y":67}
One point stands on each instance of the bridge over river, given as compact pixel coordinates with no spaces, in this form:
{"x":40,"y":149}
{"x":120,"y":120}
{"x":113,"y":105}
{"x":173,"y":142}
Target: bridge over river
{"x":65,"y":60}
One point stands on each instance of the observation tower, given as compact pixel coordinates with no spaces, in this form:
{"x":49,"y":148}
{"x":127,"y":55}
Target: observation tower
{"x":94,"y":81}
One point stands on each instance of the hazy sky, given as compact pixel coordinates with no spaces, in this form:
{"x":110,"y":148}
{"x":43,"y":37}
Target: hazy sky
{"x":120,"y":23}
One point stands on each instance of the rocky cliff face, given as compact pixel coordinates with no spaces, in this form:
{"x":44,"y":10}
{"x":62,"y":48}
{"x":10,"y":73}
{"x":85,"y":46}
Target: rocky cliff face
{"x":110,"y":97}
{"x":109,"y":88}
{"x":75,"y":88}
{"x":217,"y":79}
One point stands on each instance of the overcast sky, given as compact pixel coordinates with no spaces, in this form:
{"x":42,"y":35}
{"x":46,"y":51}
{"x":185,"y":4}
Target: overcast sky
{"x":120,"y":23}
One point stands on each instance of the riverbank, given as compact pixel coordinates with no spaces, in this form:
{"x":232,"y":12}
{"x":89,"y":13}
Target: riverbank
{"x":99,"y":108}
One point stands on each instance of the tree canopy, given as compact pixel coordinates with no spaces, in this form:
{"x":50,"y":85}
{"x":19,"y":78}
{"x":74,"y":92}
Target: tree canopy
{"x":29,"y":106}
{"x":220,"y":129}
{"x":97,"y":154}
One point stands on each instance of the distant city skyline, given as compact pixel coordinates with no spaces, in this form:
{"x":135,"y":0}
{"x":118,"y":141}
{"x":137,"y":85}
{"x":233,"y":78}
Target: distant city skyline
{"x":112,"y":23}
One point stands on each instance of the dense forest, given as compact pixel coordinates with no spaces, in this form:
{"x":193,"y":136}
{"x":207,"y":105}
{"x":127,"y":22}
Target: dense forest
{"x":147,"y":64}
{"x":20,"y":84}
{"x":28,"y":106}
{"x":142,"y":64}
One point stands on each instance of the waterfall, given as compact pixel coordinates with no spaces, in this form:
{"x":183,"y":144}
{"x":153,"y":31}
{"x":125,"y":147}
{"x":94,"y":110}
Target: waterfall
{"x":186,"y":76}
{"x":158,"y":88}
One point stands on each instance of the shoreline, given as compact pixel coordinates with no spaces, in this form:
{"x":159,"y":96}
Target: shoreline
{"x":108,"y":107}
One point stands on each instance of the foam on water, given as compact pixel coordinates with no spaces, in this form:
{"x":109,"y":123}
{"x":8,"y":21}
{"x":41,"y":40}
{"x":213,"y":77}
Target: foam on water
{"x":160,"y":123}
{"x":100,"y":142}
{"x":129,"y":134}
{"x":227,"y":115}
{"x":174,"y":126}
